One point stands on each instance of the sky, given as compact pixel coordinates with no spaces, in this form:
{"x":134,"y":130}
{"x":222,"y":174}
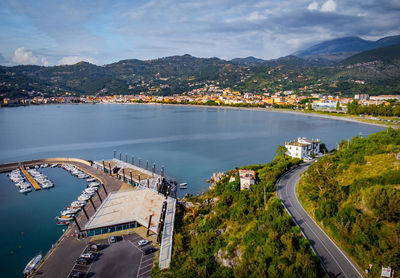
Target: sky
{"x":48,"y":32}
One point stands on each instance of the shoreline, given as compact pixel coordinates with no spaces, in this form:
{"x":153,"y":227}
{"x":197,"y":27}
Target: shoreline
{"x":274,"y":110}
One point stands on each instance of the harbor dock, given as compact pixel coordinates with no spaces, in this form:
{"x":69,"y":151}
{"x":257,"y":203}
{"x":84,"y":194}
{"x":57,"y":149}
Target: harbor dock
{"x":60,"y":259}
{"x":29,"y":178}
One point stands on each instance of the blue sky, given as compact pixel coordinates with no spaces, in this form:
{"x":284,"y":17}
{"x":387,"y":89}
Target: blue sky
{"x":63,"y":32}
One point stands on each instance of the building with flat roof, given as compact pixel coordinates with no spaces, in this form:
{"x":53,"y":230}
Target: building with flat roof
{"x":127,"y":209}
{"x":302,"y":147}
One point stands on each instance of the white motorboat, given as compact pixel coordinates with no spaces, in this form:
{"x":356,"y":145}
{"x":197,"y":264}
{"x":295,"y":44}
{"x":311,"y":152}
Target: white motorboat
{"x":183,"y":185}
{"x":31,"y":266}
{"x":25,"y":189}
{"x":91,"y":180}
{"x":77,"y":204}
{"x":64,"y":218}
{"x":83,"y":197}
{"x":90,"y":190}
{"x":47,"y":184}
{"x":93,"y":184}
{"x":70,"y":211}
{"x":90,"y":194}
{"x":83,"y":176}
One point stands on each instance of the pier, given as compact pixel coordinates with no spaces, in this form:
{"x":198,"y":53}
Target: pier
{"x":29,"y":178}
{"x":113,"y":175}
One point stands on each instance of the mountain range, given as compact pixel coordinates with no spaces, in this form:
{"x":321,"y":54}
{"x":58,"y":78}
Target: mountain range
{"x":379,"y":67}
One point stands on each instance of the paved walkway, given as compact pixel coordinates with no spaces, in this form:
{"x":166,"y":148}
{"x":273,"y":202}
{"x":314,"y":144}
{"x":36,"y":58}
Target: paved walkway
{"x":167,"y":236}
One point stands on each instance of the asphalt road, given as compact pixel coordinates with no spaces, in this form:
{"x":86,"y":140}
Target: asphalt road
{"x":335,"y":262}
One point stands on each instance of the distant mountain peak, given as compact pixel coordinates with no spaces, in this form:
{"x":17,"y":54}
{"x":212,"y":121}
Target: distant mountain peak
{"x":345,"y":46}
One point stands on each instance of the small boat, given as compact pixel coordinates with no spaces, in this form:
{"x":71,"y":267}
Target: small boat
{"x":83,"y":197}
{"x":77,"y":204}
{"x":83,"y":176}
{"x":93,"y":184}
{"x":63,"y":223}
{"x":25,"y":189}
{"x":183,"y":185}
{"x":90,"y":190}
{"x":30,"y":267}
{"x":64,"y":218}
{"x":70,"y":211}
{"x":91,"y":180}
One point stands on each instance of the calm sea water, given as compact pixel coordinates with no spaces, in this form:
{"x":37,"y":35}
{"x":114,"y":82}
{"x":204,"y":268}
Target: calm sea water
{"x":191,"y":142}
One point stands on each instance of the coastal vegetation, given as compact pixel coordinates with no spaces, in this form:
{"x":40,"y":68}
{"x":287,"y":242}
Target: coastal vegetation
{"x":226,"y":232}
{"x":392,"y":109}
{"x":354,"y":194}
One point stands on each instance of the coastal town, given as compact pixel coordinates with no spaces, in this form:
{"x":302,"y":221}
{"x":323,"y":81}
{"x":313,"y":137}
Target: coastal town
{"x":219,"y":97}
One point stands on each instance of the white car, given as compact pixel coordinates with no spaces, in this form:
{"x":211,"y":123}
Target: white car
{"x":143,"y":242}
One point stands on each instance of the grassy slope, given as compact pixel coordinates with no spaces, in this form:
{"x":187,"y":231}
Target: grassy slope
{"x":257,"y":240}
{"x":353,"y":194}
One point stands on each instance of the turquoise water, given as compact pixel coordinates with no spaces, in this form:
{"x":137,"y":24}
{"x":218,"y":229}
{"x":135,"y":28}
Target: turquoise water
{"x":191,"y":143}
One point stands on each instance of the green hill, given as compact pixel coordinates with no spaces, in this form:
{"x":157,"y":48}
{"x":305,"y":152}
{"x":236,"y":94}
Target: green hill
{"x":178,"y":74}
{"x":354,"y":194}
{"x":385,"y":54}
{"x":227,"y":232}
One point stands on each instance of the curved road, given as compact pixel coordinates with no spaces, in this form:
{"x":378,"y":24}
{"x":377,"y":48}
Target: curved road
{"x":335,"y":262}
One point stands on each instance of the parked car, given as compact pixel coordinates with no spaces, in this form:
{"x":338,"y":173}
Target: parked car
{"x":88,"y":255}
{"x":94,"y":247}
{"x":112,"y":239}
{"x":83,"y":261}
{"x":76,"y":274}
{"x":149,"y":250}
{"x":143,"y":242}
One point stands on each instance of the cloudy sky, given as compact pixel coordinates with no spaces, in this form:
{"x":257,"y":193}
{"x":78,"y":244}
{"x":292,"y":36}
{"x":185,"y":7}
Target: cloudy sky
{"x":52,"y":32}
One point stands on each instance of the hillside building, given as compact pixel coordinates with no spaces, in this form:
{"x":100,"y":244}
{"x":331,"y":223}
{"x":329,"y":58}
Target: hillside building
{"x":247,"y":178}
{"x":302,"y":147}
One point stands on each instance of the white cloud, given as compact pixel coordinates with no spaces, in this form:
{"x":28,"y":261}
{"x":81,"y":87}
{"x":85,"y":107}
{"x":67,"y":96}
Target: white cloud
{"x":70,"y":60}
{"x":313,"y":6}
{"x":255,"y":16}
{"x":328,"y":6}
{"x":25,"y":57}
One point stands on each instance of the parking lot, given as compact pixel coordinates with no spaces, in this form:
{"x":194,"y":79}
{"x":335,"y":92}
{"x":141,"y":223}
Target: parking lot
{"x":122,"y":259}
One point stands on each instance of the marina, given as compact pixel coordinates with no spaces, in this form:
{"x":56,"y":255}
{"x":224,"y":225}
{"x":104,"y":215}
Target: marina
{"x":84,"y":217}
{"x":29,"y":178}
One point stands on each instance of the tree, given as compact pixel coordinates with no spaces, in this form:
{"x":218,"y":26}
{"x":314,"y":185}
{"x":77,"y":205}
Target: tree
{"x":281,"y":151}
{"x":338,"y":106}
{"x":309,"y":106}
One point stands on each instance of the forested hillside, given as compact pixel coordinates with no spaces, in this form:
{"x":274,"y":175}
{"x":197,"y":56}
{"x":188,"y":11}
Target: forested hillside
{"x":182,"y":74}
{"x":231,"y":233}
{"x":355,"y":194}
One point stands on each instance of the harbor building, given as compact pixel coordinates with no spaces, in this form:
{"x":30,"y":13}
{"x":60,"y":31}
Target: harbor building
{"x":127,"y":209}
{"x":302,"y":147}
{"x":150,"y":203}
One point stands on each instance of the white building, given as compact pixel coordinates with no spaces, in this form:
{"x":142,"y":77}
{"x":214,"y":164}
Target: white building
{"x":302,"y":147}
{"x":247,"y":178}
